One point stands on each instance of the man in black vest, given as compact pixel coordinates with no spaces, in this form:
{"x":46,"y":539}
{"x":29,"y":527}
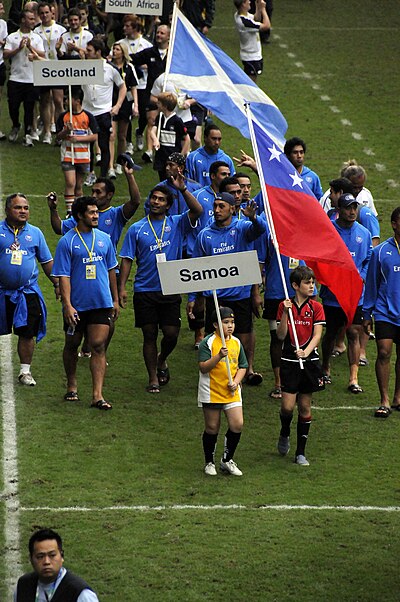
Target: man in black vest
{"x":50,"y":580}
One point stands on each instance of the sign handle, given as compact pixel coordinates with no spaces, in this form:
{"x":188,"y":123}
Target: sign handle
{"x":228,"y":367}
{"x":70,"y":116}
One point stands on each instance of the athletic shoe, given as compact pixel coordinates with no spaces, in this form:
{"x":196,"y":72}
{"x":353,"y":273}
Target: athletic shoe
{"x":35,"y":135}
{"x":301,"y":460}
{"x":98,"y":159}
{"x":87,"y":354}
{"x":90,"y":180}
{"x":53,"y":128}
{"x":129,"y":148}
{"x":2,"y":136}
{"x":27,"y":141}
{"x":118,"y":169}
{"x":47,"y":138}
{"x":283,"y":445}
{"x":111,"y":174}
{"x":147,"y":157}
{"x":13,"y":135}
{"x":40,"y":127}
{"x":230,"y":467}
{"x":27,"y":379}
{"x":210,"y":469}
{"x":139,"y":141}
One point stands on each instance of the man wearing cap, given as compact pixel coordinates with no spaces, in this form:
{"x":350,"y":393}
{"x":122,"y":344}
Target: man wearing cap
{"x":176,"y":163}
{"x":359,"y":243}
{"x":155,"y":238}
{"x":228,"y":234}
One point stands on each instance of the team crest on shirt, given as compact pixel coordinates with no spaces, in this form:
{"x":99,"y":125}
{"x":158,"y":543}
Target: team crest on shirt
{"x":28,"y":238}
{"x":100,"y":244}
{"x":232,"y":232}
{"x":167,"y":229}
{"x":359,"y":239}
{"x":108,"y":222}
{"x":307,"y":314}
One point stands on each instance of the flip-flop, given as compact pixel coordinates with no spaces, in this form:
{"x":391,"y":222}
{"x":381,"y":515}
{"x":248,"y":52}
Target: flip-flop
{"x":254,"y":379}
{"x":355,"y":389}
{"x":276,"y":393}
{"x":395,"y":407}
{"x":337,"y":352}
{"x":382,"y":412}
{"x":163,"y":376}
{"x":153,"y":389}
{"x":71,"y":396}
{"x":101,"y":404}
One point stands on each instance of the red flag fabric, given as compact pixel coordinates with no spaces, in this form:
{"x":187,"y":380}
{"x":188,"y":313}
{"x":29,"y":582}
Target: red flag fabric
{"x":303,"y":230}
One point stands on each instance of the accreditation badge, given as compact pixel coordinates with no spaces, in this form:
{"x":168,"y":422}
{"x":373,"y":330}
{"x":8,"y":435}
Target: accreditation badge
{"x":51,"y":55}
{"x":293,"y":263}
{"x":91,"y":272}
{"x":16,"y":257}
{"x":161,"y":257}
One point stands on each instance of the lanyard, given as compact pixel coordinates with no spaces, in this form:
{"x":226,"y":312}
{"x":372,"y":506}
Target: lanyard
{"x":158,"y":240}
{"x":48,"y":37}
{"x":397,"y":244}
{"x":90,"y":253}
{"x":80,"y":37}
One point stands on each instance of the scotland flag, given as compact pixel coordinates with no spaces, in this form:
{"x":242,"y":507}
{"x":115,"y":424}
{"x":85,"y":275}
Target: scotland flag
{"x":202,"y":70}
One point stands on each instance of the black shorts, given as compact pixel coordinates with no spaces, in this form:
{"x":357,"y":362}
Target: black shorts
{"x":151,"y":106}
{"x":335,"y":318}
{"x":156,"y":308}
{"x":198,"y":113}
{"x":241,"y":308}
{"x":271,"y":308}
{"x":253,"y":67}
{"x":387,"y":330}
{"x":3,"y":74}
{"x":34,"y":316}
{"x":92,"y":316}
{"x":125,"y":112}
{"x":296,"y":380}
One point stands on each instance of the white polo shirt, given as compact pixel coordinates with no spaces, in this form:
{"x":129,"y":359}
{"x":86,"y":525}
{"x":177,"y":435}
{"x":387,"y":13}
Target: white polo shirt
{"x":98,"y":97}
{"x":50,"y":35}
{"x":3,"y":35}
{"x":21,"y":66}
{"x":81,"y":39}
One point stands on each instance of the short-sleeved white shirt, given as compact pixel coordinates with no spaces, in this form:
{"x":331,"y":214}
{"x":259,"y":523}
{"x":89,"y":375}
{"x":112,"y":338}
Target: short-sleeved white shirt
{"x":3,"y":35}
{"x":184,"y":114}
{"x":250,"y":43}
{"x":21,"y":66}
{"x":81,"y":39}
{"x":50,"y":35}
{"x":98,"y":97}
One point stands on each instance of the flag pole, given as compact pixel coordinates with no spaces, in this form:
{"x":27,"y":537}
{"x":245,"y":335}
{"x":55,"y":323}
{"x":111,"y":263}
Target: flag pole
{"x":221,"y":332}
{"x":71,"y":119}
{"x":271,"y":224}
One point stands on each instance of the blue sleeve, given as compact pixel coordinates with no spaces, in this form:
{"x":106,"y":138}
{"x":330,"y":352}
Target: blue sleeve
{"x":370,"y":221}
{"x":129,"y":245}
{"x":371,"y":284}
{"x":62,"y":260}
{"x":111,"y":257}
{"x":256,"y":229}
{"x":43,"y":252}
{"x":364,"y":267}
{"x":67,"y":225}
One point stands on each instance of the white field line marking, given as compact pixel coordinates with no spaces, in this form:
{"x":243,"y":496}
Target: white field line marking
{"x":334,"y":408}
{"x":12,"y":556}
{"x":278,"y":507}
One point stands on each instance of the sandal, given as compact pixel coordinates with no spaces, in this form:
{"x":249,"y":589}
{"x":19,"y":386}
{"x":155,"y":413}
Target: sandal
{"x":327,"y":379}
{"x":71,"y":396}
{"x":395,"y":407}
{"x":382,"y":412}
{"x":337,"y":352}
{"x":254,"y":379}
{"x":363,"y":361}
{"x":153,"y":389}
{"x":276,"y":393}
{"x":163,"y":376}
{"x":354,"y":388}
{"x":101,"y":404}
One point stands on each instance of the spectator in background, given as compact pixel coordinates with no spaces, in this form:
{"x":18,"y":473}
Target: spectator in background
{"x":3,"y":35}
{"x":249,"y":27}
{"x":200,"y":13}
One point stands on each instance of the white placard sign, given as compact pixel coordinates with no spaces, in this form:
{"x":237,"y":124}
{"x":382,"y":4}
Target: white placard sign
{"x":137,"y":7}
{"x":207,"y":273}
{"x":68,"y":73}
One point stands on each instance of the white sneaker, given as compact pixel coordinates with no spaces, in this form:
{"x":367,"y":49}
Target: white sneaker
{"x":230,"y":467}
{"x":139,"y":141}
{"x":35,"y":135}
{"x":27,"y":141}
{"x":2,"y":136}
{"x":27,"y":379}
{"x":111,"y":174}
{"x":301,"y":460}
{"x":13,"y":135}
{"x":53,"y":128}
{"x":118,"y":169}
{"x":47,"y":138}
{"x":90,"y":180}
{"x":129,"y":148}
{"x":210,"y":469}
{"x":98,"y":159}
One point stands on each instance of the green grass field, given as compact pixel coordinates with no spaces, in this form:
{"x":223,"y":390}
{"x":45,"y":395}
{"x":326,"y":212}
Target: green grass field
{"x":125,"y":488}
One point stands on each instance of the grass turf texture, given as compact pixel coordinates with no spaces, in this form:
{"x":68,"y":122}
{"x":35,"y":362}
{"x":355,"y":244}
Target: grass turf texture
{"x":147,"y":451}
